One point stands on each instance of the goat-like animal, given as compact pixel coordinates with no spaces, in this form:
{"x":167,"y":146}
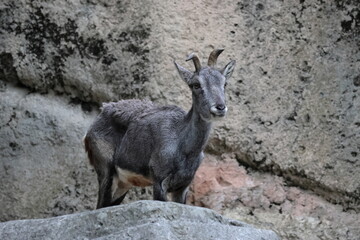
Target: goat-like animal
{"x":138,"y":143}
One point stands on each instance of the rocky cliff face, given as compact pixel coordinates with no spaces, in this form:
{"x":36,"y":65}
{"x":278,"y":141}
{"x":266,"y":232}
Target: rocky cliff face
{"x":293,"y":100}
{"x":43,"y":170}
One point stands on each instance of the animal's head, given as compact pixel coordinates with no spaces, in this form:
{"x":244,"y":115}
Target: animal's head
{"x":208,"y":85}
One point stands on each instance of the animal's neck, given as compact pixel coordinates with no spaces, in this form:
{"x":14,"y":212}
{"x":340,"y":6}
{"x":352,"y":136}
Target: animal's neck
{"x":196,"y":132}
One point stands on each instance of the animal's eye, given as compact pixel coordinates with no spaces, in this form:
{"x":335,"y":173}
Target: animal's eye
{"x":196,"y":86}
{"x":225,"y":84}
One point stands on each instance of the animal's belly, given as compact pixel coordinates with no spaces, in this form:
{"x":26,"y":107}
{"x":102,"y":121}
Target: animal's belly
{"x":132,"y":178}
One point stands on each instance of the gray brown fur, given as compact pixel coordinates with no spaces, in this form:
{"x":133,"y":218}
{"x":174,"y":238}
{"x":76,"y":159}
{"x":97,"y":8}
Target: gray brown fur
{"x":158,"y":145}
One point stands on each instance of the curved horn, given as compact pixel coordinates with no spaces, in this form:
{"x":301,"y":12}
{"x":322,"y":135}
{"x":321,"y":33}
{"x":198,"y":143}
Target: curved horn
{"x":213,"y":56}
{"x":196,"y":61}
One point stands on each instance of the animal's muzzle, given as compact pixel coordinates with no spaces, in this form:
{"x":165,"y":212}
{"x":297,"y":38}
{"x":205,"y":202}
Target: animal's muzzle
{"x":218,"y":110}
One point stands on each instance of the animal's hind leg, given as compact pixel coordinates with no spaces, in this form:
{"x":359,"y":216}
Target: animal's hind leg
{"x":119,"y":191}
{"x":119,"y":200}
{"x":104,"y":194}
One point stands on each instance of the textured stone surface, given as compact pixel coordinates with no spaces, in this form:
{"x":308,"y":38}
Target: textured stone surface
{"x":43,"y":169}
{"x":294,"y":107}
{"x":97,"y":52}
{"x":293,"y":101}
{"x":267,"y":201}
{"x":140,"y":220}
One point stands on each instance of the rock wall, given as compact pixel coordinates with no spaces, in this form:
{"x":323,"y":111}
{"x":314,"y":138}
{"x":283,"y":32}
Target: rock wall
{"x":43,"y":168}
{"x":91,"y":50}
{"x":293,"y":99}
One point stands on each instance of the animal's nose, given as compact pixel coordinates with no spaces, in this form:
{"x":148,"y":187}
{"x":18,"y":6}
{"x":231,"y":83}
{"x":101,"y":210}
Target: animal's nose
{"x":219,"y":110}
{"x":220,"y":107}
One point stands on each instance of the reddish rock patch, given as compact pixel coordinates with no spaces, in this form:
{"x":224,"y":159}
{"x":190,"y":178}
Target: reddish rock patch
{"x":223,"y":183}
{"x":231,"y":189}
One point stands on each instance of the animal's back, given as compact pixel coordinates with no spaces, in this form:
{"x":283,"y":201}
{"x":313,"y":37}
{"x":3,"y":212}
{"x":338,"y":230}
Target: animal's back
{"x":110,"y":126}
{"x":126,"y":111}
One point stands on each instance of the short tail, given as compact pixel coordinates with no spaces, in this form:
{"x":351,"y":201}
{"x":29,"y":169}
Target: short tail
{"x":86,"y":141}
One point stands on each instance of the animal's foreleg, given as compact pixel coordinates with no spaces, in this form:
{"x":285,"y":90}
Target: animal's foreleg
{"x":180,"y":195}
{"x":160,"y":189}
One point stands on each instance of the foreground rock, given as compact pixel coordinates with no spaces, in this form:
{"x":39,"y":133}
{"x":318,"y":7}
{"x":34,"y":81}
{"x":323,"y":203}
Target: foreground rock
{"x":140,"y":220}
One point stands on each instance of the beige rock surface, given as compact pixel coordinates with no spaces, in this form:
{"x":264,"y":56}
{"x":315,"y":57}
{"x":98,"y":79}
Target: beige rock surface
{"x":293,"y":101}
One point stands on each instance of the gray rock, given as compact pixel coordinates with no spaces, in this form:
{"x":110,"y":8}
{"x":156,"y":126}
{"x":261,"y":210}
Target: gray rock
{"x":43,"y":170}
{"x":96,"y":53}
{"x":139,"y":220}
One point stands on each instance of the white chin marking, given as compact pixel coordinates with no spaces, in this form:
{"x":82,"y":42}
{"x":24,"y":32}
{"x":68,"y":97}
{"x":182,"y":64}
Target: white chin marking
{"x":215,"y":118}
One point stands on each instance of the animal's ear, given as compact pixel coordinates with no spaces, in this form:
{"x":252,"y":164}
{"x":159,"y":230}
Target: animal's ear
{"x":228,"y":69}
{"x":185,"y":74}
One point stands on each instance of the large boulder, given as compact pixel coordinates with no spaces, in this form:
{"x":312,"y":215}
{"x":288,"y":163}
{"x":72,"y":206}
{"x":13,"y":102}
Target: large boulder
{"x":140,"y":220}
